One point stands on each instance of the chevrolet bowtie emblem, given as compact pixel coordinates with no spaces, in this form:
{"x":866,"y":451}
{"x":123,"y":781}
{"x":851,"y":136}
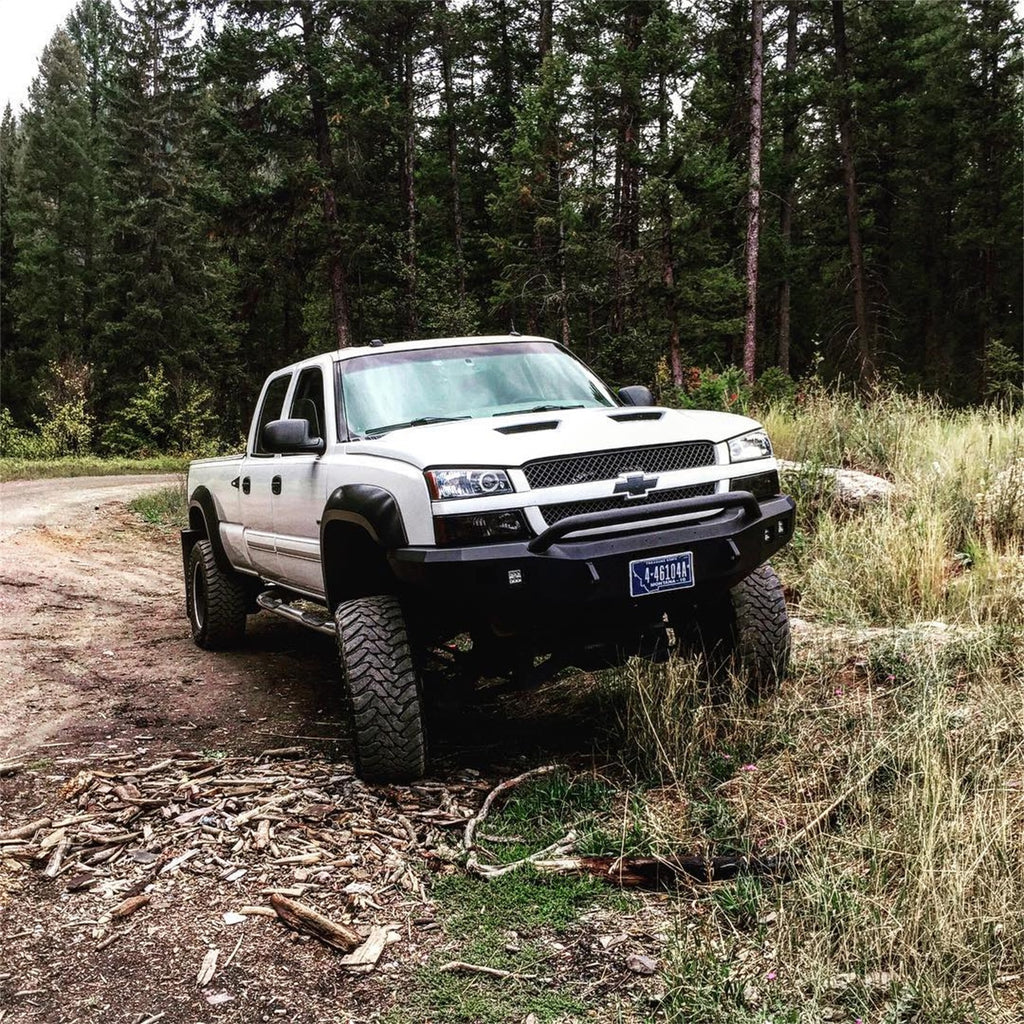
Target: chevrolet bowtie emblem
{"x":635,"y":485}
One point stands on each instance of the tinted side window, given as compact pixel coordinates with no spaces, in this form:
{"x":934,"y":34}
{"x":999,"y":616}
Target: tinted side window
{"x":271,"y":408}
{"x":308,"y":400}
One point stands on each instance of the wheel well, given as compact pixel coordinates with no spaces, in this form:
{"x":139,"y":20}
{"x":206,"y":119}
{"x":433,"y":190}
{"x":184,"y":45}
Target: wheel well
{"x":355,"y":565}
{"x":197,"y":521}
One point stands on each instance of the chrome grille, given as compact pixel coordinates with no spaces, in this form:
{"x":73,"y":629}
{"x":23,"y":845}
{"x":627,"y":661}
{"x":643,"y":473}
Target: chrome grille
{"x":555,"y":513}
{"x":583,"y":469}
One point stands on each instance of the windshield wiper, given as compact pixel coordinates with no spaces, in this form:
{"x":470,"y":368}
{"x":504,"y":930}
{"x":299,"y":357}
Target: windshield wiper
{"x":539,"y":408}
{"x":421,"y":421}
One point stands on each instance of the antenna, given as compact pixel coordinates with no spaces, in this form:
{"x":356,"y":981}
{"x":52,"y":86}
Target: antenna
{"x":514,"y":333}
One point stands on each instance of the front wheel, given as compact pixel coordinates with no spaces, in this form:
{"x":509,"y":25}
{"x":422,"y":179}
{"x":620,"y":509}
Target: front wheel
{"x":746,"y":632}
{"x":383,"y":688}
{"x":215,"y":600}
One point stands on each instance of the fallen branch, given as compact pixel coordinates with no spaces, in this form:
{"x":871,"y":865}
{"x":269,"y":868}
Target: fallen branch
{"x":657,"y":872}
{"x":494,"y":972}
{"x":472,"y":862}
{"x":26,"y":830}
{"x":305,"y":919}
{"x":130,"y":905}
{"x":818,"y":822}
{"x":558,"y":849}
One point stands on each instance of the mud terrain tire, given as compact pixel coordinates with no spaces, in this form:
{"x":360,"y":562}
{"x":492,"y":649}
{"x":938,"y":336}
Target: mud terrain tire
{"x":383,"y":688}
{"x":761,"y":624}
{"x":747,"y":633}
{"x":215,"y":601}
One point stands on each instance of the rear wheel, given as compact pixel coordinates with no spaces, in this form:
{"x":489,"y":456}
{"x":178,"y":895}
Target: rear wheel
{"x":746,"y":632}
{"x":216,"y":601}
{"x":383,"y":688}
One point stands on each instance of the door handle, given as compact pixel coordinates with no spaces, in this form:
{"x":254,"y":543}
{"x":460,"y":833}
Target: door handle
{"x":275,"y":485}
{"x":246,"y":485}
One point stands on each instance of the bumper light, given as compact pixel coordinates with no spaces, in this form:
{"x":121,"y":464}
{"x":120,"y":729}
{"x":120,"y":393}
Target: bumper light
{"x":479,"y":527}
{"x":760,"y":485}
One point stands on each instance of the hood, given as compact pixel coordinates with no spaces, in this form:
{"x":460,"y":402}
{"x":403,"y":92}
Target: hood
{"x":513,"y":440}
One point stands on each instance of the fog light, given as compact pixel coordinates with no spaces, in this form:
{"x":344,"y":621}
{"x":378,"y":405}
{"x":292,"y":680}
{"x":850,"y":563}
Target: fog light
{"x":760,"y":485}
{"x":479,"y":527}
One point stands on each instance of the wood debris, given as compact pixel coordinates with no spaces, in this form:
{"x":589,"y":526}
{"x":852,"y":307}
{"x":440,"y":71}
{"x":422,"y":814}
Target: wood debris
{"x":305,"y":919}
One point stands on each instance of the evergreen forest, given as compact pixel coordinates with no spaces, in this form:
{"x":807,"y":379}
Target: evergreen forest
{"x":200,"y":191}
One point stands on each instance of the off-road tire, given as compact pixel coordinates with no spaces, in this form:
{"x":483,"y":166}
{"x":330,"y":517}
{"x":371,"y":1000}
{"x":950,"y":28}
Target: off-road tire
{"x":215,"y":601}
{"x":761,"y":623}
{"x":383,"y":689}
{"x":746,"y":633}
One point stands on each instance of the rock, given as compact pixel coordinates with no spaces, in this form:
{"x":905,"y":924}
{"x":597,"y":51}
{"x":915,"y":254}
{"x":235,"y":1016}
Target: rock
{"x":639,"y":963}
{"x":853,"y":488}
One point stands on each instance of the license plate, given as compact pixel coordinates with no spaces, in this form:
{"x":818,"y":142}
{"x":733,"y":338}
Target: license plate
{"x":666,"y":572}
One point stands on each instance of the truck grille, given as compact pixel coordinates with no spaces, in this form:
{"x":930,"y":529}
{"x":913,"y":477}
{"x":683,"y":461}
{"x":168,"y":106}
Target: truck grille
{"x":555,"y":513}
{"x":583,"y":469}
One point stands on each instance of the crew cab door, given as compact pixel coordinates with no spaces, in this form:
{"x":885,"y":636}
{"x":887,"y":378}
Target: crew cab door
{"x":256,"y":486}
{"x":302,"y":490}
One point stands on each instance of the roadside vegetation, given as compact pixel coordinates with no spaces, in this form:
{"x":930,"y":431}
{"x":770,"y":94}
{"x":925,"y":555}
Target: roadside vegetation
{"x":885,"y":781}
{"x":88,"y":465}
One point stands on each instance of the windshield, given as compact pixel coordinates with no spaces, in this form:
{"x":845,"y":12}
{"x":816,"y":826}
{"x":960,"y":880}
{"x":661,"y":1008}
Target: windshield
{"x":388,"y":390}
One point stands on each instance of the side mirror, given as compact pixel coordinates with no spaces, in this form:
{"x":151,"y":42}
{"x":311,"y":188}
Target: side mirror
{"x":636,"y":394}
{"x":290,"y":436}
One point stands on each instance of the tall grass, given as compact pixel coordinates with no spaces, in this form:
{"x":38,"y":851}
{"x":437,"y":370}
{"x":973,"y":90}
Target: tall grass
{"x":955,"y":520}
{"x":891,"y":765}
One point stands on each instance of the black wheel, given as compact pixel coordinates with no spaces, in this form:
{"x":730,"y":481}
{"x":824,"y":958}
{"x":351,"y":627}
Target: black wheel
{"x":746,"y":632}
{"x":384,"y":691}
{"x":215,"y":601}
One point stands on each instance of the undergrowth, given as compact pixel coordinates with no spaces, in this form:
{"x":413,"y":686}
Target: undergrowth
{"x":87,"y":465}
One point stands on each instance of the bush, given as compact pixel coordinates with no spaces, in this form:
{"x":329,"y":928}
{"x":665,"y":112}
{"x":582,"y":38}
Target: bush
{"x":68,"y":427}
{"x":140,"y":427}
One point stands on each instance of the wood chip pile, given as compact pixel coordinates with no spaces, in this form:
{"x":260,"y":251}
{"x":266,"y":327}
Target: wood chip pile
{"x":285,"y":836}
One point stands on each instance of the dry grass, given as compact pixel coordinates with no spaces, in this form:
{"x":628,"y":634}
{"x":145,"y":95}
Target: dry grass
{"x":892,"y":762}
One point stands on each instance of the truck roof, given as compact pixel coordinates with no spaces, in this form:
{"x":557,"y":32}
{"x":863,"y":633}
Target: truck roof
{"x":340,"y":355}
{"x":400,"y":346}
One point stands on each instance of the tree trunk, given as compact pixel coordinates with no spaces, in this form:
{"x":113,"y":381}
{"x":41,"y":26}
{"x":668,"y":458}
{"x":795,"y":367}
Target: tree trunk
{"x":754,"y":190}
{"x":789,"y":126}
{"x":667,"y":252}
{"x":453,"y":149}
{"x":312,"y":47}
{"x":627,"y":171}
{"x":865,"y":341}
{"x":408,"y":183}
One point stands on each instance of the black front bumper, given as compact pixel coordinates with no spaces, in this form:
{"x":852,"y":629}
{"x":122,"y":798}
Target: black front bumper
{"x":531,"y":580}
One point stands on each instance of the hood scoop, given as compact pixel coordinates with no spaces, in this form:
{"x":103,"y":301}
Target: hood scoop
{"x":528,"y":428}
{"x":632,"y":417}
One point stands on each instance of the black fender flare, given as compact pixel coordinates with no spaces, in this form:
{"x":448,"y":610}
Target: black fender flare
{"x":374,"y":514}
{"x":373,"y":508}
{"x":202,"y":499}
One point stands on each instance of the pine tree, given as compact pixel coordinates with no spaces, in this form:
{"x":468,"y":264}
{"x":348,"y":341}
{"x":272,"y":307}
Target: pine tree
{"x":165,"y":289}
{"x":50,"y":200}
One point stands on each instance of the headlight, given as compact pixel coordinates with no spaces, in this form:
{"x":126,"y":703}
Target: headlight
{"x":467,"y":483}
{"x":747,"y":447}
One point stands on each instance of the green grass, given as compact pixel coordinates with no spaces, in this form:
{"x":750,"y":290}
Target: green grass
{"x":509,"y":924}
{"x":164,"y":507}
{"x":87,"y":465}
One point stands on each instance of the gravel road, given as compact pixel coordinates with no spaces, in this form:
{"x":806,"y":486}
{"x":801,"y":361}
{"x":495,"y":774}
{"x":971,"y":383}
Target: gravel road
{"x":95,"y":646}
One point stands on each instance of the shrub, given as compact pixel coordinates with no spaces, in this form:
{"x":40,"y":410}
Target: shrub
{"x":140,"y":427}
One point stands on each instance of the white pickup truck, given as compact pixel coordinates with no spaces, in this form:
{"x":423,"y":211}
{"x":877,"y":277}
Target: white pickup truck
{"x":494,"y":490}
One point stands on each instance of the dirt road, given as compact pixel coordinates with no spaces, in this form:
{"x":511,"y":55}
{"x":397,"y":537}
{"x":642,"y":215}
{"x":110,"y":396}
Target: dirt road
{"x":95,"y":646}
{"x":135,"y":766}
